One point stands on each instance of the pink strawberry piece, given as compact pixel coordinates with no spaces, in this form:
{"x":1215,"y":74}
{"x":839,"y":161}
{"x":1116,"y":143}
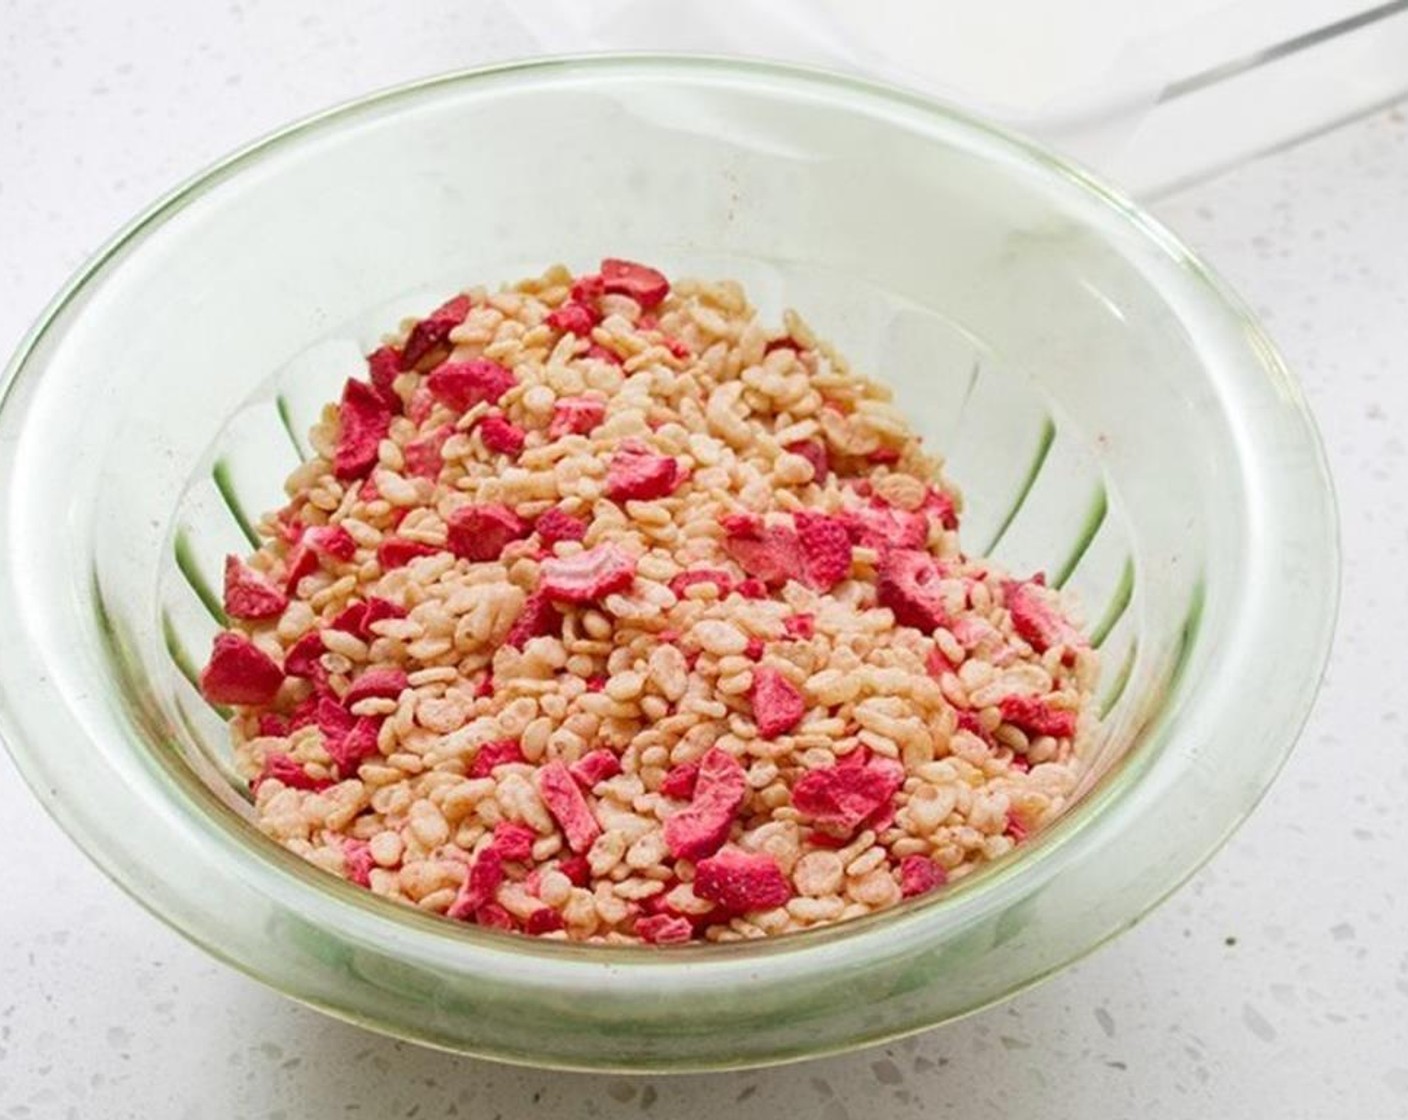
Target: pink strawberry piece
{"x":740,"y":882}
{"x":502,"y":752}
{"x":397,"y":552}
{"x":1020,"y":762}
{"x":635,"y":473}
{"x":814,"y":452}
{"x":358,"y":862}
{"x":462,"y":385}
{"x":701,"y":827}
{"x":880,"y":526}
{"x":331,"y":542}
{"x":385,"y":684}
{"x":587,"y":576}
{"x":941,"y":508}
{"x":771,"y":554}
{"x":1015,"y":828}
{"x":678,"y":349}
{"x":800,"y":626}
{"x":882,"y":455}
{"x":664,"y":929}
{"x":777,"y":705}
{"x":595,"y":766}
{"x":284,"y":769}
{"x":576,"y":416}
{"x":969,"y":722}
{"x":602,"y":354}
{"x":482,"y":532}
{"x":378,"y":610}
{"x":755,"y":649}
{"x":681,"y":583}
{"x":432,"y":332}
{"x":485,"y":877}
{"x":626,"y":278}
{"x":363,"y":421}
{"x":351,"y":619}
{"x":972,"y":632}
{"x":577,"y":870}
{"x":383,"y":364}
{"x":543,"y":920}
{"x":843,"y":797}
{"x":574,"y":318}
{"x":300,"y":561}
{"x":1036,"y":717}
{"x":350,"y":749}
{"x":239,"y":672}
{"x":596,"y":684}
{"x":421,"y":405}
{"x":908,"y":583}
{"x":538,"y":619}
{"x":368,"y":491}
{"x":588,"y":288}
{"x":565,"y":802}
{"x":493,"y":916}
{"x":250,"y":594}
{"x":514,"y":841}
{"x":556,"y":524}
{"x":920,"y":875}
{"x":826,"y":549}
{"x":423,"y":456}
{"x":936,"y":664}
{"x":1035,"y":619}
{"x":302,"y":656}
{"x":501,"y":436}
{"x":753,"y":589}
{"x":272,"y":725}
{"x":304,"y":713}
{"x":680,"y":780}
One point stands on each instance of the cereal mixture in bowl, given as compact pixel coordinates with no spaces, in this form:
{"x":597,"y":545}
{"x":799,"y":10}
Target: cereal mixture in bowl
{"x":607,"y":612}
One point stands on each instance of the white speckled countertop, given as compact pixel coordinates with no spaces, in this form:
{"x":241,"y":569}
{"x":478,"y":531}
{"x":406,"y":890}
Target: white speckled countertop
{"x":1274,"y":984}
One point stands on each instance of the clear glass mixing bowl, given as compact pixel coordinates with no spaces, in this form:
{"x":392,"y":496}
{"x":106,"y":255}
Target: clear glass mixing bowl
{"x":1114,"y":416}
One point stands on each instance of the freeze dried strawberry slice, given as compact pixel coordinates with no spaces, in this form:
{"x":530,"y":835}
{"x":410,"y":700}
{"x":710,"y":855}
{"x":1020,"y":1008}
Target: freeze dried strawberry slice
{"x":383,"y":364}
{"x":800,"y":626}
{"x":485,"y":877}
{"x":574,"y":318}
{"x":543,"y":920}
{"x":752,"y":588}
{"x":514,"y":841}
{"x":1036,"y":717}
{"x":482,"y":532}
{"x":423,"y":456}
{"x":602,"y":354}
{"x":920,"y":875}
{"x":384,"y":684}
{"x":784,"y":343}
{"x":378,"y":610}
{"x":357,"y":861}
{"x":421,"y":405}
{"x":577,"y":870}
{"x":637,"y":474}
{"x":843,"y":797}
{"x":936,"y":664}
{"x":755,"y":649}
{"x":1015,"y":828}
{"x":501,"y":436}
{"x":814,"y":452}
{"x":433,"y":331}
{"x":880,"y":526}
{"x":576,"y":416}
{"x":331,"y":542}
{"x":681,"y":583}
{"x":363,"y":421}
{"x":498,"y":753}
{"x":285,"y":770}
{"x":350,"y":620}
{"x":556,"y":525}
{"x":302,"y":657}
{"x":462,"y":385}
{"x":569,"y":808}
{"x":626,"y":278}
{"x":239,"y":672}
{"x":701,"y":827}
{"x":884,"y":455}
{"x":587,"y":576}
{"x":777,"y":705}
{"x":539,"y":618}
{"x":826,"y":549}
{"x":740,"y":882}
{"x":493,"y":916}
{"x":272,"y":725}
{"x":941,"y":508}
{"x":908,"y":583}
{"x":664,"y":929}
{"x":588,"y":288}
{"x":1036,"y":619}
{"x":347,"y":739}
{"x":397,"y":552}
{"x":595,"y":766}
{"x":680,"y":780}
{"x":250,"y":594}
{"x":771,"y":554}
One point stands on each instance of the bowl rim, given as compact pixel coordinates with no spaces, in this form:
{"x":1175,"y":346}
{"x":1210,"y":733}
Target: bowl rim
{"x":730,"y":962}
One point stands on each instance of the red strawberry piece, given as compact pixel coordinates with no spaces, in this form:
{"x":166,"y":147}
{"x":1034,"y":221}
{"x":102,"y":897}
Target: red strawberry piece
{"x":493,"y":916}
{"x":556,"y":524}
{"x":577,"y":870}
{"x":826,"y":549}
{"x":936,"y":664}
{"x":800,"y":626}
{"x":423,"y":457}
{"x":814,"y":452}
{"x":574,"y":318}
{"x":378,"y":610}
{"x":741,"y":881}
{"x":595,"y":766}
{"x":351,"y":620}
{"x":499,"y":753}
{"x":602,"y":354}
{"x":565,"y":802}
{"x":302,"y":657}
{"x":304,"y":713}
{"x":880,"y":526}
{"x":1015,"y":828}
{"x":626,"y":278}
{"x":501,"y":436}
{"x":1020,"y":762}
{"x":941,"y":508}
{"x":680,"y":780}
{"x":701,"y":827}
{"x":783,"y":343}
{"x":272,"y":725}
{"x":538,"y":619}
{"x":664,"y":929}
{"x":920,"y":875}
{"x":333,"y":720}
{"x":462,"y":385}
{"x":485,"y":877}
{"x":1036,"y":619}
{"x":843,"y":797}
{"x":383,"y":364}
{"x":358,"y":862}
{"x":397,"y":552}
{"x":576,"y":416}
{"x":385,"y":684}
{"x":588,"y":575}
{"x":717,"y":576}
{"x":969,"y":722}
{"x":363,"y":421}
{"x":772,"y":554}
{"x":433,"y":331}
{"x":1036,"y":717}
{"x":755,"y":649}
{"x":883,"y":455}
{"x":777,"y":705}
{"x":588,"y":288}
{"x":678,"y":349}
{"x":250,"y":594}
{"x":482,"y":532}
{"x":908,"y":583}
{"x":239,"y":672}
{"x":596,"y":684}
{"x":514,"y":841}
{"x":347,"y":739}
{"x":421,"y":405}
{"x":753,"y":589}
{"x":635,"y":473}
{"x":284,"y":769}
{"x":331,"y":542}
{"x":300,"y":561}
{"x":543,"y":920}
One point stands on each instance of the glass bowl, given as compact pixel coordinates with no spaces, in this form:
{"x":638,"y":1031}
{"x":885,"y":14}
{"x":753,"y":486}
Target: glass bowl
{"x":1114,"y":416}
